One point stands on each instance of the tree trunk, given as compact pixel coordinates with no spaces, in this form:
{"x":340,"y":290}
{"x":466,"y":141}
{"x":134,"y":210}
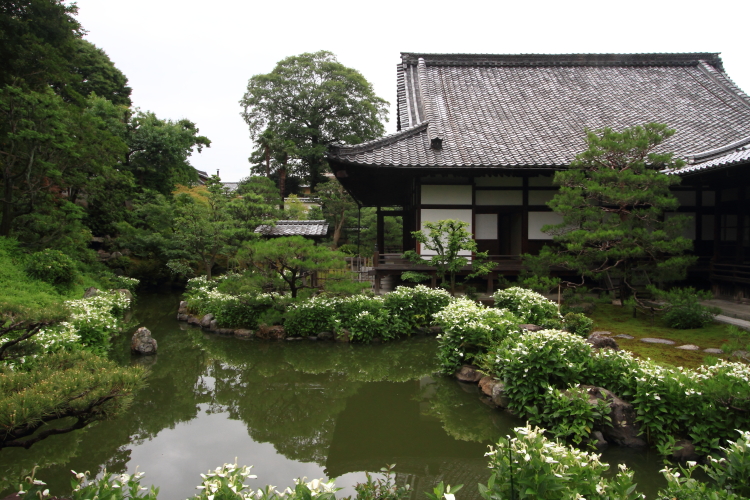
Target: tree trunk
{"x":7,"y":220}
{"x":282,"y":184}
{"x":337,"y":231}
{"x":208,"y":265}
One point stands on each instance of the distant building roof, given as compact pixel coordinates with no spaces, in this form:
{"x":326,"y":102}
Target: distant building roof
{"x":730,"y":155}
{"x":309,"y":228}
{"x":532,"y":111}
{"x":230,"y":186}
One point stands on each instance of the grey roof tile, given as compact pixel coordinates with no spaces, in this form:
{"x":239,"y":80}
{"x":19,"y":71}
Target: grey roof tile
{"x":312,"y":228}
{"x":532,"y":110}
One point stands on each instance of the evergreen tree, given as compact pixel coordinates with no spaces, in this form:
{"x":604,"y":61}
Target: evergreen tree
{"x":613,"y":199}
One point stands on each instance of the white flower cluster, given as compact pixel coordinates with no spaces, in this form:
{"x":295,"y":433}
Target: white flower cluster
{"x":98,"y":311}
{"x":528,"y":305}
{"x":463,"y":316}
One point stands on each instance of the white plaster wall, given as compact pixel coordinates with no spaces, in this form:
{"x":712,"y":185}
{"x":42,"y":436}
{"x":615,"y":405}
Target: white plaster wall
{"x":436,"y":214}
{"x":493,"y":198}
{"x":540,"y":197}
{"x":446,"y":195}
{"x":486,"y":226}
{"x":539,"y":219}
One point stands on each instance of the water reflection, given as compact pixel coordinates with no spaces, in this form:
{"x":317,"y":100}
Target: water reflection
{"x":292,"y":409}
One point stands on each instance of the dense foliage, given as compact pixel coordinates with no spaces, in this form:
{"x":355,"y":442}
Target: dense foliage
{"x":612,"y":201}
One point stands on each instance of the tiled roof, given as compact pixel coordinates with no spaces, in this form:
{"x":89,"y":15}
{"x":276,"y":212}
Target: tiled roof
{"x":736,"y":153}
{"x":459,"y":110}
{"x":313,"y":228}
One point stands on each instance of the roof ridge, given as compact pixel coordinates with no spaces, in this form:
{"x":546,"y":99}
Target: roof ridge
{"x":434,"y":130}
{"x":382,"y":141}
{"x":723,"y":81}
{"x":579,"y":59}
{"x":711,"y":153}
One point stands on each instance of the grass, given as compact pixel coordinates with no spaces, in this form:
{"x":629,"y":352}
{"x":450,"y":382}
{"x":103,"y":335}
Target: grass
{"x":619,"y":320}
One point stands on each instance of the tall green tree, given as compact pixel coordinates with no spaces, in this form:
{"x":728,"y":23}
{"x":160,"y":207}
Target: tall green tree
{"x":612,"y":200}
{"x":313,"y":100}
{"x":94,"y":72}
{"x":336,"y":205}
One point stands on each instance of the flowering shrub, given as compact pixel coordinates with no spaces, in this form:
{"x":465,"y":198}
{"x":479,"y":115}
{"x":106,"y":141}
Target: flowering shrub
{"x":529,"y":306}
{"x":311,"y":316}
{"x":469,"y":329}
{"x":531,"y":466}
{"x":364,"y":317}
{"x":124,"y":282}
{"x":95,"y":319}
{"x":568,"y":414}
{"x":535,"y":361}
{"x":415,"y":307}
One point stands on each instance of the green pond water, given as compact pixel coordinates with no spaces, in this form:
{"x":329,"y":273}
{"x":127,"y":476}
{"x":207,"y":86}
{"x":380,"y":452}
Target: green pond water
{"x":290,"y":409}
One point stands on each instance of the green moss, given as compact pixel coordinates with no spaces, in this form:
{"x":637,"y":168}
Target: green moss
{"x":619,"y":320}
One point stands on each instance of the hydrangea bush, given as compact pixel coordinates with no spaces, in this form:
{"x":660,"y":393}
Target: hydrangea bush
{"x":469,"y":329}
{"x":529,"y":306}
{"x":415,"y":307}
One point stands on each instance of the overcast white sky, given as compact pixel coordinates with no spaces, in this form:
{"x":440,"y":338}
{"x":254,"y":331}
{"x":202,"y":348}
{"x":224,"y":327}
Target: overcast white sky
{"x":192,"y":59}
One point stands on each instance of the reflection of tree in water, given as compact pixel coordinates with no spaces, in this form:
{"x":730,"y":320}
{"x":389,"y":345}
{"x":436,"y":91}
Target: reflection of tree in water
{"x":290,"y":394}
{"x":463,"y":414}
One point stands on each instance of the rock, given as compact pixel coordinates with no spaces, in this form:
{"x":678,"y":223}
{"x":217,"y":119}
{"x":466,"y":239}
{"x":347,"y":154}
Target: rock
{"x":193,"y":320}
{"x":624,"y":336}
{"x":206,"y":320}
{"x":183,"y":307}
{"x":312,"y":337}
{"x":115,"y":255}
{"x":213,"y":325}
{"x":182,"y":317}
{"x":469,"y":373}
{"x":600,"y":341}
{"x":242,"y":333}
{"x":342,"y":336}
{"x":142,"y":342}
{"x":530,"y":328}
{"x":103,"y":255}
{"x":271,"y":332}
{"x":420,"y":331}
{"x":436,"y":330}
{"x":616,"y":302}
{"x":713,"y":350}
{"x":90,"y":292}
{"x":597,"y":439}
{"x":623,"y":430}
{"x":224,"y":331}
{"x":295,"y":338}
{"x":688,"y":347}
{"x":326,"y":336}
{"x":495,"y":389}
{"x":127,"y":293}
{"x":650,"y":340}
{"x":684,"y":451}
{"x":740,"y":354}
{"x":602,"y":332}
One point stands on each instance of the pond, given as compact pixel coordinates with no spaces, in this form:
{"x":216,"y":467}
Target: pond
{"x":290,"y":409}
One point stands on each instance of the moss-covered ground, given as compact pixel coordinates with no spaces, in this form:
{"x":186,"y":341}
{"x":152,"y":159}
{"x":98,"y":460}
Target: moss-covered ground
{"x":619,"y":320}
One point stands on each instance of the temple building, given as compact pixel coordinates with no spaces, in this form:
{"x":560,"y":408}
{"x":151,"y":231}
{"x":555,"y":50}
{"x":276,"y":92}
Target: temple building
{"x":480,"y":137}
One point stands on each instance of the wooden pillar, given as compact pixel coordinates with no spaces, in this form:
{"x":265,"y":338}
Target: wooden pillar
{"x":381,"y":232}
{"x":525,"y":217}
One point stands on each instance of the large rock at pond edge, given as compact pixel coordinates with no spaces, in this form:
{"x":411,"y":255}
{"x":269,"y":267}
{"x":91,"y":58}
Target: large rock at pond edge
{"x":183,"y":307}
{"x":182,"y":317}
{"x":242,"y":333}
{"x":326,"y":336}
{"x":684,"y":451}
{"x":142,"y":342}
{"x":623,"y":430}
{"x":528,"y":327}
{"x":90,"y":292}
{"x":276,"y":332}
{"x":206,"y":321}
{"x":342,"y":335}
{"x":599,"y":341}
{"x":495,"y":390}
{"x":127,"y":293}
{"x":214,"y":325}
{"x":469,"y":373}
{"x":193,"y":320}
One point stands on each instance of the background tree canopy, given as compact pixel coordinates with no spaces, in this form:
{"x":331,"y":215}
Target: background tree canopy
{"x":312,"y":100}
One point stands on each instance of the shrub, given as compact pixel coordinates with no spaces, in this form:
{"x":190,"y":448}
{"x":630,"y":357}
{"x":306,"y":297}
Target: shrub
{"x":684,"y":310}
{"x":469,"y":330}
{"x":530,"y":307}
{"x":732,"y":472}
{"x":568,"y":414}
{"x":311,"y":317}
{"x":578,"y":324}
{"x":364,"y":317}
{"x":414,"y":307}
{"x":53,"y":267}
{"x":532,"y":466}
